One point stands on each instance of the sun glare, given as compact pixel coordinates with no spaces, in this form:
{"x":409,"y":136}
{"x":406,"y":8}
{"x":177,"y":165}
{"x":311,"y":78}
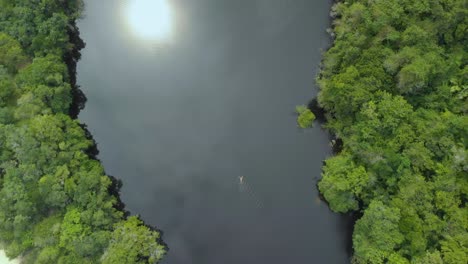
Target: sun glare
{"x":150,"y":19}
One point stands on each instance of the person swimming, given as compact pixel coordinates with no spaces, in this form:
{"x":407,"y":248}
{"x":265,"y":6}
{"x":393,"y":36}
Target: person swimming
{"x":241,"y":179}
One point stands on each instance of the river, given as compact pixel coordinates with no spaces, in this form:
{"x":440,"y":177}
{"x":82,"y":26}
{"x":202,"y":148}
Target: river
{"x":179,"y":120}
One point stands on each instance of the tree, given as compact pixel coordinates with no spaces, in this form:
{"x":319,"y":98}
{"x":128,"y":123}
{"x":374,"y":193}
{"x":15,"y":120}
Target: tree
{"x":12,"y":56}
{"x":52,"y":37}
{"x":430,"y":258}
{"x":342,"y":183}
{"x":7,"y":89}
{"x":49,"y":70}
{"x":132,"y":242}
{"x":305,"y":117}
{"x":376,"y":234}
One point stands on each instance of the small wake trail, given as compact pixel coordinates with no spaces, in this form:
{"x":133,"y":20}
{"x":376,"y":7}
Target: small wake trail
{"x":244,"y":187}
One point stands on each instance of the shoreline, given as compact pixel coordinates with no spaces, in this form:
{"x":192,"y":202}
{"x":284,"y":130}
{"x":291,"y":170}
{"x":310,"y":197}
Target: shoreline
{"x":108,"y":188}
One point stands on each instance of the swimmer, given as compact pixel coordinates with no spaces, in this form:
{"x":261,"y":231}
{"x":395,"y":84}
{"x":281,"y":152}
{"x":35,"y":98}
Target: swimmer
{"x":241,"y":179}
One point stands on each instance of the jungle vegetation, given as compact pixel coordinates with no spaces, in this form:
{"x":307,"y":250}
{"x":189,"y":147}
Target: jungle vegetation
{"x":394,"y":86}
{"x":57,"y":205}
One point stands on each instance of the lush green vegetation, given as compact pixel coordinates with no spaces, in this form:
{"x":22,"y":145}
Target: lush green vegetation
{"x":305,"y":118}
{"x":56,"y":203}
{"x":394,"y":86}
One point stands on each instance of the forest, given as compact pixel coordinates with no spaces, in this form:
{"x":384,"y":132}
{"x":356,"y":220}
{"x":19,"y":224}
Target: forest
{"x":394,"y":87}
{"x":57,"y":205}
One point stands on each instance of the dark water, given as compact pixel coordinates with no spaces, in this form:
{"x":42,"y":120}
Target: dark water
{"x":180,"y":121}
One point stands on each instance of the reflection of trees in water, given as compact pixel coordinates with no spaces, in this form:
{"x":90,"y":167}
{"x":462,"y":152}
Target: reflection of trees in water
{"x":71,"y":59}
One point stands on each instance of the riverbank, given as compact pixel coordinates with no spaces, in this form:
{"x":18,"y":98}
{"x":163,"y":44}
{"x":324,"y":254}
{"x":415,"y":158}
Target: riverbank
{"x":393,"y":86}
{"x":65,"y":185}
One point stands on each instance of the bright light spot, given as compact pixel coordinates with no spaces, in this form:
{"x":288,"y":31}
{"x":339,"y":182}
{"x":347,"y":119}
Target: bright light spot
{"x":5,"y":260}
{"x":150,"y":19}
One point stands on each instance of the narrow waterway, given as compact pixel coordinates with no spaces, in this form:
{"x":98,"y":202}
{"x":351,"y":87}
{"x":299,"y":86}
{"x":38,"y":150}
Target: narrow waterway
{"x":178,"y":120}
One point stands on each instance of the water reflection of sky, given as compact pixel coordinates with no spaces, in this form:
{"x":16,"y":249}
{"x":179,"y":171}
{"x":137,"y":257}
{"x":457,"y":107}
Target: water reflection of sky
{"x":150,"y":20}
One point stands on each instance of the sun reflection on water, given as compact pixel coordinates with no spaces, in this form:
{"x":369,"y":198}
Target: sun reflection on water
{"x":149,"y":19}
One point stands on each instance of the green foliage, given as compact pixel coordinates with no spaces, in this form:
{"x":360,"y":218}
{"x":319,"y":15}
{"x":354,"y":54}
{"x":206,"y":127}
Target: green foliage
{"x":132,"y":242}
{"x":11,"y":55}
{"x":305,"y":117}
{"x":49,"y":70}
{"x":376,"y":234}
{"x":430,"y":258}
{"x":52,"y":36}
{"x":56,"y":202}
{"x":394,"y":89}
{"x":7,"y":88}
{"x":343,"y":182}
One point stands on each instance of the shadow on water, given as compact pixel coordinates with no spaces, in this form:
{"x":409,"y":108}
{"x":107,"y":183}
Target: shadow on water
{"x":321,"y":117}
{"x":346,"y":221}
{"x":71,"y":59}
{"x":318,"y":111}
{"x":346,"y":225}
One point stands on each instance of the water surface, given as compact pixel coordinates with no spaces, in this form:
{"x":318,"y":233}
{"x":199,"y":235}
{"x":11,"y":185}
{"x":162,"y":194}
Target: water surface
{"x":180,"y":120}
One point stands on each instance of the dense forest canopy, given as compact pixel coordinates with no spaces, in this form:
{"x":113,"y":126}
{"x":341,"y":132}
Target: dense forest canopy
{"x":56,"y":203}
{"x":394,"y":85}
